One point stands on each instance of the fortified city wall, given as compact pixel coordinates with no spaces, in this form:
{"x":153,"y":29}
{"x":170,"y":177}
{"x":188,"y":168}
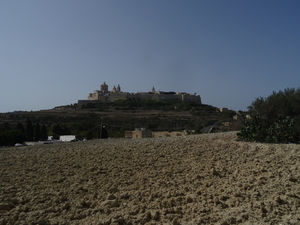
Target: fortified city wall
{"x":103,"y":95}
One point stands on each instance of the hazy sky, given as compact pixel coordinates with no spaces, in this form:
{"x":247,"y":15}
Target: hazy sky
{"x":229,"y":52}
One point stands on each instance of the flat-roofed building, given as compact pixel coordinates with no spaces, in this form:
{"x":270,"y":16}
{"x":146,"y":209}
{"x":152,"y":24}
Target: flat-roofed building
{"x":139,"y":133}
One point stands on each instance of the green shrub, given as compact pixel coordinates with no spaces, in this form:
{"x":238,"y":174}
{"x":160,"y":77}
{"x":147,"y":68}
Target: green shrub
{"x":275,"y":119}
{"x":11,"y":137}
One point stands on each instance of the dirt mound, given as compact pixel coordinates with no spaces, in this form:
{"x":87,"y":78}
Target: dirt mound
{"x":198,"y":179}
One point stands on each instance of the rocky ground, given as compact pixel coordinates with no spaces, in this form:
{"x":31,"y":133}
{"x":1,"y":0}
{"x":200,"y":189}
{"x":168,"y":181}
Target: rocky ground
{"x":197,"y":179}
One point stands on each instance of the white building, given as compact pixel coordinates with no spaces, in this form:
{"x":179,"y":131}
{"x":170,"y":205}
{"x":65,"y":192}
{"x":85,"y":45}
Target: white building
{"x":67,"y":138}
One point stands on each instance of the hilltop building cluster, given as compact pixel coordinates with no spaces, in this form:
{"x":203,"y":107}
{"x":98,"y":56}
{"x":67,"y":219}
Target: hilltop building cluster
{"x":104,"y":95}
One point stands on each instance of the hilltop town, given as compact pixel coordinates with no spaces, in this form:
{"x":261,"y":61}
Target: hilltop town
{"x":104,"y":95}
{"x":123,"y":114}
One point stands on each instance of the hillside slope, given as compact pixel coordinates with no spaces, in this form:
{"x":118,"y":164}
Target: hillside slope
{"x":122,"y":116}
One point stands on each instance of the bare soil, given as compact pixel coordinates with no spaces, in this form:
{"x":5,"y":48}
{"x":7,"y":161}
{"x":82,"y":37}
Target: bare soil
{"x":197,"y":179}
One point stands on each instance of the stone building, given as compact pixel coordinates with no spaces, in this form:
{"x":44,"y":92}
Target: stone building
{"x":104,"y":95}
{"x":139,"y":133}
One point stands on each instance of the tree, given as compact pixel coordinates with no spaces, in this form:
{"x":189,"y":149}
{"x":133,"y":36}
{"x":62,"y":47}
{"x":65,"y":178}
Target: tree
{"x":56,"y":130}
{"x":29,"y":130}
{"x":37,"y":132}
{"x":89,"y":135}
{"x":20,"y":127}
{"x":44,"y":133}
{"x":104,"y":133}
{"x":60,"y":130}
{"x":11,"y":137}
{"x":275,"y":119}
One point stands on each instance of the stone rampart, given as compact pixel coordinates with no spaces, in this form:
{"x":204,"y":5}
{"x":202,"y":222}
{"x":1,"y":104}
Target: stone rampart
{"x":116,"y":94}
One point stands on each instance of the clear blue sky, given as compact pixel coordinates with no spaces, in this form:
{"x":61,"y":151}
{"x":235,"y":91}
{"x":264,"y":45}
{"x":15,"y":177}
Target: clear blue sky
{"x":228,"y":51}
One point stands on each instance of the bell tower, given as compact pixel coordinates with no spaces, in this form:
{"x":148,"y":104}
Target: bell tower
{"x":104,"y":87}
